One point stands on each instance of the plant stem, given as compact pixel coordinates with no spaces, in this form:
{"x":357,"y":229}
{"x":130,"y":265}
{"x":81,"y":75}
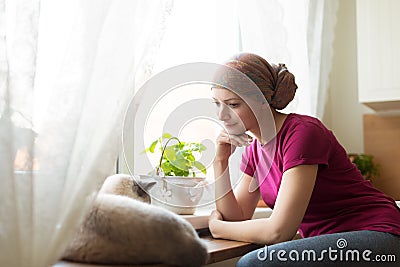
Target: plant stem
{"x":162,"y":153}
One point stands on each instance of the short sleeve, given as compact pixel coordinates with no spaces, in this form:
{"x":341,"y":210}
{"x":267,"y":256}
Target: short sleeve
{"x":307,"y":143}
{"x":247,"y":165}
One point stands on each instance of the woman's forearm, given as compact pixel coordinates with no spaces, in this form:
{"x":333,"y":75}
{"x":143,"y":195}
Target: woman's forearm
{"x":258,"y":231}
{"x":226,"y":201}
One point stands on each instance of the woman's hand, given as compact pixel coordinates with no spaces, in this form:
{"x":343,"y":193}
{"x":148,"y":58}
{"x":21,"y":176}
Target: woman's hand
{"x":227,"y":143}
{"x":213,"y":220}
{"x":215,"y":215}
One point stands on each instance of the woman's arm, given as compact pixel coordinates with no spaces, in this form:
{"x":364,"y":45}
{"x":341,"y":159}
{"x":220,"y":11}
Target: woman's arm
{"x":290,"y":206}
{"x":240,"y":205}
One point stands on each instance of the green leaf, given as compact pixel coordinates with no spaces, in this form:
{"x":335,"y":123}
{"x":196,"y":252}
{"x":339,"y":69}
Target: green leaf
{"x":181,"y":145}
{"x":166,"y":135}
{"x":179,"y":155}
{"x":200,"y":166}
{"x":152,"y":146}
{"x":182,"y":164}
{"x":202,"y":148}
{"x":166,"y":167}
{"x":169,"y":153}
{"x":180,"y":158}
{"x":191,"y":157}
{"x":366,"y":165}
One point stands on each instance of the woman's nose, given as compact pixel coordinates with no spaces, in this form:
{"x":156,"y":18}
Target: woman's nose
{"x":224,"y":112}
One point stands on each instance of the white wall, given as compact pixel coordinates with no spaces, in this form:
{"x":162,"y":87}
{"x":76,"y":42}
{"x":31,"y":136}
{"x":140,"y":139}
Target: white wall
{"x":343,"y":114}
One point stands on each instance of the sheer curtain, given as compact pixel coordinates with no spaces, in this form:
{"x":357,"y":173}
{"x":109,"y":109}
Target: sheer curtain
{"x":66,"y":78}
{"x":299,"y":34}
{"x":320,"y":38}
{"x":276,"y":30}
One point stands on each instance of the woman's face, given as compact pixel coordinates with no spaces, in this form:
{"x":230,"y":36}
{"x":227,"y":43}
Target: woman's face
{"x":234,"y":112}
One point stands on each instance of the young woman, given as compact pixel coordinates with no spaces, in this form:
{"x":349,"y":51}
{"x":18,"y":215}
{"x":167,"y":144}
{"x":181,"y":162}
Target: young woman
{"x":301,"y":172}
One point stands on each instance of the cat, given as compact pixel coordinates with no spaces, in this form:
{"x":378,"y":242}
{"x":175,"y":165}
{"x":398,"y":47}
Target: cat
{"x":123,"y":228}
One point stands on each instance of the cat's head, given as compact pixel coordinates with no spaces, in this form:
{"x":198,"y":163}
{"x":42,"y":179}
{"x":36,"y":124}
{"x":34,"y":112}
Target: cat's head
{"x":126,"y":185}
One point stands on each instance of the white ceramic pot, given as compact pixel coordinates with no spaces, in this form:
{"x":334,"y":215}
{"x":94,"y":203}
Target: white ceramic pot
{"x":175,"y":193}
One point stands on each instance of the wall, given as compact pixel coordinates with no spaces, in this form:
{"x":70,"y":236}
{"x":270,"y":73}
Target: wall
{"x":343,"y":113}
{"x":358,"y":128}
{"x":382,"y":139}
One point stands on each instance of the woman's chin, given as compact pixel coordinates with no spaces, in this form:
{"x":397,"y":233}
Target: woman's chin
{"x":235,"y":130}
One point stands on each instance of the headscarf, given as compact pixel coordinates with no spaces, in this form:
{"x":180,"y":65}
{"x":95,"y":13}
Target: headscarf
{"x":275,"y":82}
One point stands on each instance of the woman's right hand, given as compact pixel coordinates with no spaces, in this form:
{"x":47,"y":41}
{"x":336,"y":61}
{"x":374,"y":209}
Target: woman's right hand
{"x":227,"y":143}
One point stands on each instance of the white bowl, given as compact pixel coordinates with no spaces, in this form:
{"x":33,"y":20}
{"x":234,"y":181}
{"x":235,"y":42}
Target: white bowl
{"x":175,"y":193}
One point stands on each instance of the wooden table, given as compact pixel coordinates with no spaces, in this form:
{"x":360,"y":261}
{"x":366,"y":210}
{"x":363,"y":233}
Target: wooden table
{"x":221,"y":249}
{"x":75,"y":264}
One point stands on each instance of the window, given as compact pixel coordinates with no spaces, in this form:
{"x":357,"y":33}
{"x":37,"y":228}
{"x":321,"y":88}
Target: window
{"x":212,"y":31}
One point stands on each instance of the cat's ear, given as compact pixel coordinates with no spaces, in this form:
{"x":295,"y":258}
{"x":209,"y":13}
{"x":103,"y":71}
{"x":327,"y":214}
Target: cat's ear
{"x":146,"y":185}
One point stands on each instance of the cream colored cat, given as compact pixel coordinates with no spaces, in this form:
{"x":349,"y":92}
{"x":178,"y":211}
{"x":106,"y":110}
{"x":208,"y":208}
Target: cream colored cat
{"x":121,"y":229}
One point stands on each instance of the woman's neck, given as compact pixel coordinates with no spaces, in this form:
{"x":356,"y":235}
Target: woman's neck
{"x":279,"y":118}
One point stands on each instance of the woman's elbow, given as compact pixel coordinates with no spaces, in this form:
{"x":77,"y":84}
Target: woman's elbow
{"x":275,"y":236}
{"x":283,"y":236}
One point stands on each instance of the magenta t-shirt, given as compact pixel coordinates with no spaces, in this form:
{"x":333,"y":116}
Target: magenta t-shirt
{"x":342,"y":199}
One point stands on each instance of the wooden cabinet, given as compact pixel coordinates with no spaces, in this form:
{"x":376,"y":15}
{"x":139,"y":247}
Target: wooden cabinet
{"x":378,"y":44}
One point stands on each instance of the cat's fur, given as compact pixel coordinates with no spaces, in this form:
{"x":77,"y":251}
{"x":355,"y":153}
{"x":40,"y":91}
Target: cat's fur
{"x":121,"y":229}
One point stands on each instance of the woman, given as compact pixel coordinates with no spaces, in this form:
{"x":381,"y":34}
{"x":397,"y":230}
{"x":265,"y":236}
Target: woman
{"x":301,"y":172}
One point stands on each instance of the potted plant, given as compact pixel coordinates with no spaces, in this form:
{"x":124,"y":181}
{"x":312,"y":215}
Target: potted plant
{"x":179,"y":186}
{"x":178,"y":159}
{"x":365,"y":163}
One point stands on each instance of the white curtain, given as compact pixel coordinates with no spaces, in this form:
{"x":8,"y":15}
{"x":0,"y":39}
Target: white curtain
{"x":299,"y":34}
{"x":276,"y":30}
{"x":67,"y":74}
{"x":320,"y":38}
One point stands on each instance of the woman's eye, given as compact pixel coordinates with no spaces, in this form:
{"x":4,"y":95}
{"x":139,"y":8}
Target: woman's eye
{"x":216,"y":103}
{"x":233,"y":105}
